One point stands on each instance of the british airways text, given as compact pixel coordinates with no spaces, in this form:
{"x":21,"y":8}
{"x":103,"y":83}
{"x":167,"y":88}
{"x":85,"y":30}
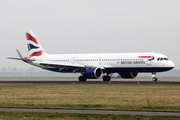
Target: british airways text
{"x":132,"y":62}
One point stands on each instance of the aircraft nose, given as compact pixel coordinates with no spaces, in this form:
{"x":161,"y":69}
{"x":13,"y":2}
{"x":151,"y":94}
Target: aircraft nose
{"x":171,"y":64}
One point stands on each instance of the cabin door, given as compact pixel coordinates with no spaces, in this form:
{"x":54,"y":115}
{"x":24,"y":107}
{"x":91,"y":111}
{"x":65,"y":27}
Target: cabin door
{"x":42,"y":58}
{"x":72,"y":60}
{"x":148,"y":60}
{"x":100,"y":60}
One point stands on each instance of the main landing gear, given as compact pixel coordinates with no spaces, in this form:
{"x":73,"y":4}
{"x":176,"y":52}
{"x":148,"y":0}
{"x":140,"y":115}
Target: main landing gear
{"x":106,"y":78}
{"x":154,"y":78}
{"x":82,"y":79}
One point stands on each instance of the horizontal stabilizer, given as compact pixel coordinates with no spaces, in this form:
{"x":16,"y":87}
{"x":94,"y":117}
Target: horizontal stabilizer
{"x":14,"y":58}
{"x":28,"y":60}
{"x":21,"y":58}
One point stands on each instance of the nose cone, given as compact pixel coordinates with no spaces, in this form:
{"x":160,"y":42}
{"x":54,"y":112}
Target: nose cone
{"x":171,"y":64}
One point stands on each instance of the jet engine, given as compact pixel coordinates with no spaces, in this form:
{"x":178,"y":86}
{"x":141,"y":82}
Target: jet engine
{"x":92,"y":72}
{"x":128,"y":74}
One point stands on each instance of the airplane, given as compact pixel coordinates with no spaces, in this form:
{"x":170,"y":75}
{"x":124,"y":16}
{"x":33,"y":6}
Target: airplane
{"x":95,"y":66}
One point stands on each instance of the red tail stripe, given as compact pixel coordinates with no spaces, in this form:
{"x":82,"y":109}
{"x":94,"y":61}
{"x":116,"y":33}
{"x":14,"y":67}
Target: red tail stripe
{"x":39,"y":53}
{"x":30,"y":37}
{"x":26,"y":58}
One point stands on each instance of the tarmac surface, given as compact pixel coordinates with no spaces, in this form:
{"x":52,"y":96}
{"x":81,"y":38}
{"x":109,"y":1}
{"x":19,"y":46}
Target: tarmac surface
{"x":102,"y":112}
{"x":96,"y":82}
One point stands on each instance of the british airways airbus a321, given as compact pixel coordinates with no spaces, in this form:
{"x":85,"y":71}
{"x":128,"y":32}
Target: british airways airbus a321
{"x":94,"y":66}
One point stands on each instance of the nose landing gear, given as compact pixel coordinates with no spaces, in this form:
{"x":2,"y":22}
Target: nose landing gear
{"x":154,"y":78}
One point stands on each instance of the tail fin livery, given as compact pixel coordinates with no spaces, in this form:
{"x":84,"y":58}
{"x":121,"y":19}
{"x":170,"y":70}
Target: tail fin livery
{"x":34,"y":47}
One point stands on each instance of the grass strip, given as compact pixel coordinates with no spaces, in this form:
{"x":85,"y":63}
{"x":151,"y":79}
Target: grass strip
{"x":154,"y":97}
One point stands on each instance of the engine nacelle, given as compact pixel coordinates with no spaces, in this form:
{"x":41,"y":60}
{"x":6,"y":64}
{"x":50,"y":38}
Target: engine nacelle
{"x":92,"y":72}
{"x":128,"y":74}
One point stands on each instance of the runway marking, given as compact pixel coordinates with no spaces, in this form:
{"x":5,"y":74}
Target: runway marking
{"x":103,"y":112}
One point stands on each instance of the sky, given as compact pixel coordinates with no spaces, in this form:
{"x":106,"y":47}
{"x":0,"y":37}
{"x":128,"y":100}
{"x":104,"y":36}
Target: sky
{"x":90,"y":26}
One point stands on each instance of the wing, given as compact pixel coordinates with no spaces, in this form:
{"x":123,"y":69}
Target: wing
{"x":74,"y":67}
{"x":68,"y":66}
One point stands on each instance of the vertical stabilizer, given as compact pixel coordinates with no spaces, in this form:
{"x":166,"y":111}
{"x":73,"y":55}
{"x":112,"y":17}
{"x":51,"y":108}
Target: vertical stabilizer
{"x":34,"y":47}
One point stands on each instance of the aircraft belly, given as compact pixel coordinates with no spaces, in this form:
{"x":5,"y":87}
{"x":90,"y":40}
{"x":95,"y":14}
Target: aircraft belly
{"x":121,"y":69}
{"x":137,"y":69}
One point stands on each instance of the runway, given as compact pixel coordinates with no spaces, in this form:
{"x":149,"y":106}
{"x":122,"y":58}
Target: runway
{"x":96,"y":82}
{"x":102,"y":112}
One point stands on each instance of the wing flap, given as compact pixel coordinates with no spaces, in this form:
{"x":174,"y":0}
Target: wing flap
{"x":61,"y":66}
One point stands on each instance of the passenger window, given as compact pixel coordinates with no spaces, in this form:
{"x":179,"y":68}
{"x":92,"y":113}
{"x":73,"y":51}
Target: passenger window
{"x":161,"y":58}
{"x":158,"y":59}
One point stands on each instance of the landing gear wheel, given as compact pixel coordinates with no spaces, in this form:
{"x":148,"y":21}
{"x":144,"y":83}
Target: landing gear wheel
{"x":154,"y":79}
{"x":106,"y":78}
{"x":82,"y":79}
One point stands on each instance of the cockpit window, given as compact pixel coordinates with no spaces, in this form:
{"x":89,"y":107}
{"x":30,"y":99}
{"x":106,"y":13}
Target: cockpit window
{"x":160,"y":59}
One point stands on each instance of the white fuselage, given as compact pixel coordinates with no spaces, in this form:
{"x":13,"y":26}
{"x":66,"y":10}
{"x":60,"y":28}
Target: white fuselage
{"x":111,"y":62}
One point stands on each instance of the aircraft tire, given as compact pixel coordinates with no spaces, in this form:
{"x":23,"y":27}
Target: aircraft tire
{"x":154,"y":79}
{"x":106,"y":78}
{"x":82,"y":79}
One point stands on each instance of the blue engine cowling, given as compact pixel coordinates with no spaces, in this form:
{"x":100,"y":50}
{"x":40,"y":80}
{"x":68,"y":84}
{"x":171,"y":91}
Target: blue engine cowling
{"x":92,"y":72}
